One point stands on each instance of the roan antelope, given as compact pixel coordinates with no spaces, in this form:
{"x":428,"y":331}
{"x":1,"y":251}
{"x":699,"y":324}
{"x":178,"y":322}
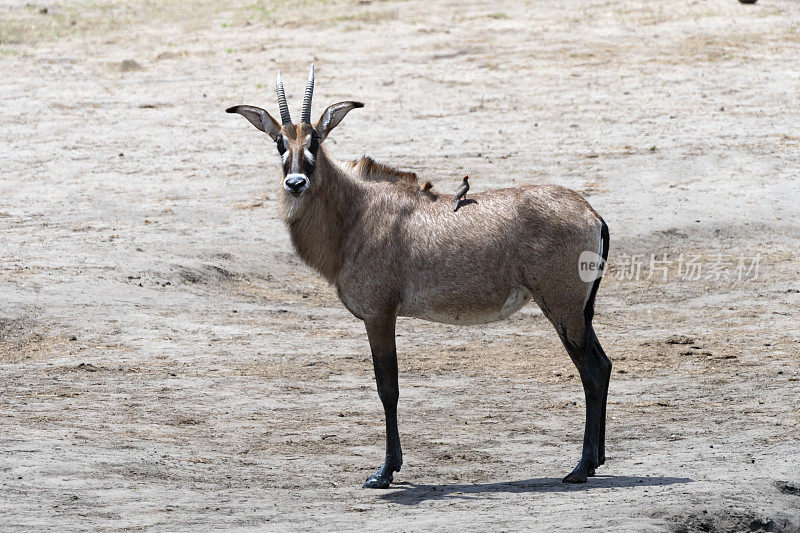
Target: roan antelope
{"x":394,"y":249}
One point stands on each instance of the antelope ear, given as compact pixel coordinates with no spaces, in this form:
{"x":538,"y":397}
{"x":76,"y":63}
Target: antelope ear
{"x":258,"y":118}
{"x":333,"y":116}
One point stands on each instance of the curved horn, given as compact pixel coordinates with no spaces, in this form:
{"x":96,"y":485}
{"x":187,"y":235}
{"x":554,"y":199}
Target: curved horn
{"x":305,"y":115}
{"x":285,"y":117}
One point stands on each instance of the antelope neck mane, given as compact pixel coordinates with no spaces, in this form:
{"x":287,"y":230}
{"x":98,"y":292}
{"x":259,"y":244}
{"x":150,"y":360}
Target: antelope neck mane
{"x":367,"y":169}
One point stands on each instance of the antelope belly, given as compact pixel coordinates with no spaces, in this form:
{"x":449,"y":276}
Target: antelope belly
{"x":467,"y":315}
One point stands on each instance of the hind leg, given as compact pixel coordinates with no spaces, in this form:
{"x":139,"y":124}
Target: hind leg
{"x":566,"y":298}
{"x":595,"y":372}
{"x":606,"y":366}
{"x":576,"y":333}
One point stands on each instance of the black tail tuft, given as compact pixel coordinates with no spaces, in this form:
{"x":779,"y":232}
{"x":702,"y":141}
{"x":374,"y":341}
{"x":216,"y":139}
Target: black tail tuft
{"x":588,"y":311}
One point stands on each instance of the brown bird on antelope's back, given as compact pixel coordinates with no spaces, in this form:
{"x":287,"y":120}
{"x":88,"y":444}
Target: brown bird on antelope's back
{"x":461,"y":193}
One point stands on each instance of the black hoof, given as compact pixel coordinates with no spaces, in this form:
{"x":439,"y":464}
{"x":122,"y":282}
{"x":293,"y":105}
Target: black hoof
{"x":584,"y":469}
{"x":572,"y":477}
{"x":377,"y":481}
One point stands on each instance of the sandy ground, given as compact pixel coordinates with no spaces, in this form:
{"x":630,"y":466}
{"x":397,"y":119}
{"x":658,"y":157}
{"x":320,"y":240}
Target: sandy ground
{"x":168,"y":363}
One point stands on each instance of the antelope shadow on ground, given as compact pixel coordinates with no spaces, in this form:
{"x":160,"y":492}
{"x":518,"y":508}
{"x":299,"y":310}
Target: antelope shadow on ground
{"x":413,"y":494}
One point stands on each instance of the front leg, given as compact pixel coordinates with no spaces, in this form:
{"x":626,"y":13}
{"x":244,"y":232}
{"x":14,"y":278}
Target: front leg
{"x":384,"y":360}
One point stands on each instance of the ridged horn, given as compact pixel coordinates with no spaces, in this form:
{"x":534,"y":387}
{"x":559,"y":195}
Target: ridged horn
{"x":305,"y":115}
{"x":286,"y":118}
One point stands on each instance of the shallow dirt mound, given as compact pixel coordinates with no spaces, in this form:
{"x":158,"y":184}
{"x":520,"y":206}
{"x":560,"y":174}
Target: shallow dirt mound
{"x":723,"y":521}
{"x":23,"y":339}
{"x":788,"y":488}
{"x":204,"y":273}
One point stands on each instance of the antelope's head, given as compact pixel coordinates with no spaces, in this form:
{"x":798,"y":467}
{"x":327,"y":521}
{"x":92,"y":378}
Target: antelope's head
{"x":297,"y":144}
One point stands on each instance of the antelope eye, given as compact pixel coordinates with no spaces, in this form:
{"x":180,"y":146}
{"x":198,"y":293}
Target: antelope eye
{"x":279,"y":143}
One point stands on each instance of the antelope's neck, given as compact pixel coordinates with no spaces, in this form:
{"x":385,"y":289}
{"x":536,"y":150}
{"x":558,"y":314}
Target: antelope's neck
{"x":320,"y":224}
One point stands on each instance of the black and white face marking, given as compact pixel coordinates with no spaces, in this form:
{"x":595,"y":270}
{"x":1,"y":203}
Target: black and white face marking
{"x":283,"y":147}
{"x":299,"y":162}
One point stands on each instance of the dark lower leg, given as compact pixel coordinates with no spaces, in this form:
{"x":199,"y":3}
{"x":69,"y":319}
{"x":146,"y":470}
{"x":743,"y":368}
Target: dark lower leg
{"x":601,"y":450}
{"x":604,"y":363}
{"x":589,"y":457}
{"x":384,"y":361}
{"x":595,"y":370}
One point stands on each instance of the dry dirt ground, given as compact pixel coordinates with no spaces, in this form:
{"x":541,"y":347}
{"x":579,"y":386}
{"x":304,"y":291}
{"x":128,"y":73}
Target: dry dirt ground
{"x":168,"y":363}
